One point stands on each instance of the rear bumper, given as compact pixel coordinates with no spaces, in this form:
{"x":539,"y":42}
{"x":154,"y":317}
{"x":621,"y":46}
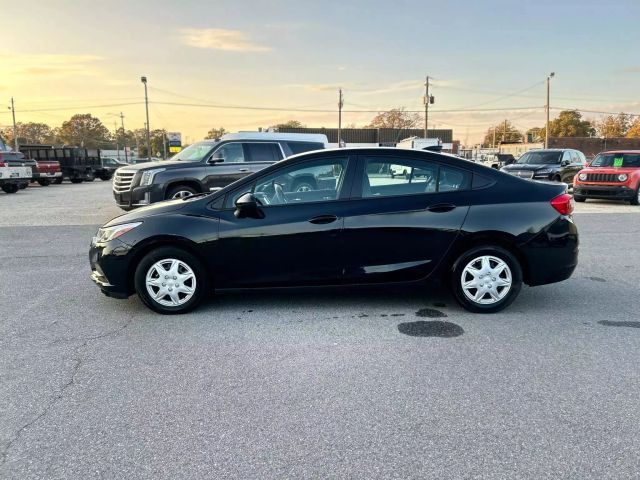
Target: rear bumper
{"x":604,"y":191}
{"x":41,"y":175}
{"x":552,"y":255}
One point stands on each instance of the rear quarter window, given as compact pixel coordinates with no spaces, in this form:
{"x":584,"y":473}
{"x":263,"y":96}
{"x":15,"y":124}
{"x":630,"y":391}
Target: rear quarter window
{"x":301,"y":147}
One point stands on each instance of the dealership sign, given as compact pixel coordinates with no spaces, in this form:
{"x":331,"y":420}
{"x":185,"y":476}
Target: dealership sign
{"x":175,"y":141}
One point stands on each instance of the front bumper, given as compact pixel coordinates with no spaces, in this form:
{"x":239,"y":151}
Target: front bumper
{"x":621,"y":192}
{"x":138,"y":197}
{"x":110,"y":268}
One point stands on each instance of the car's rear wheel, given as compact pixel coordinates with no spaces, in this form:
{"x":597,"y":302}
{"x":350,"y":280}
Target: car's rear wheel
{"x":486,"y":279}
{"x":76,"y":180}
{"x":579,"y":199}
{"x":170,"y":280}
{"x":58,"y":180}
{"x":44,"y":182}
{"x":180,"y":191}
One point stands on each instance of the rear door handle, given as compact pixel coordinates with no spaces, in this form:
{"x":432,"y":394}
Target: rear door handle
{"x":441,"y":207}
{"x":323,"y":219}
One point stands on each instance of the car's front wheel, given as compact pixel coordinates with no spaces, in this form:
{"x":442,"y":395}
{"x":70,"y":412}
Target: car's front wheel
{"x":636,"y":200}
{"x":180,"y":191}
{"x":170,"y":280}
{"x":486,"y":279}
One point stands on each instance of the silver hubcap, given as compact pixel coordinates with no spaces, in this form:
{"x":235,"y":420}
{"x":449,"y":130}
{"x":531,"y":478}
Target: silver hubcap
{"x":171,"y":282}
{"x":182,"y":194}
{"x":486,"y":280}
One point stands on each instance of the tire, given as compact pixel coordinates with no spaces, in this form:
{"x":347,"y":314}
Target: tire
{"x":76,"y":180}
{"x":486,"y":304}
{"x":44,"y":182}
{"x":10,"y":188}
{"x":105,"y":177}
{"x":636,"y":200}
{"x":89,"y":177}
{"x":180,"y":191}
{"x":579,"y":199}
{"x":303,"y":186}
{"x":168,"y":254}
{"x":58,"y":180}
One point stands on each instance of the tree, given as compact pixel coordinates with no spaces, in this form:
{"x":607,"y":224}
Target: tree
{"x":569,"y":124}
{"x":502,"y":132}
{"x":215,"y":133}
{"x":634,"y":129}
{"x":290,"y":124}
{"x":396,"y":118}
{"x":612,"y":126}
{"x":84,"y":130}
{"x":31,"y":132}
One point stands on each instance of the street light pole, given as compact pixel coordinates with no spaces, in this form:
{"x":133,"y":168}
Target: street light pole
{"x":340,"y":104}
{"x":146,"y":104}
{"x":546,"y":129}
{"x":15,"y":134}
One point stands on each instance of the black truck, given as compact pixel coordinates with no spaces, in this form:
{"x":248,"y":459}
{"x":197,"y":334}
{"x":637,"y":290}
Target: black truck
{"x":77,"y":164}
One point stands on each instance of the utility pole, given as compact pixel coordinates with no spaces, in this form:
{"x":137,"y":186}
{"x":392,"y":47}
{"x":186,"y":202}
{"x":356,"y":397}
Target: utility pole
{"x":547,"y":108}
{"x":124,"y":138}
{"x":340,"y":105}
{"x":427,"y":99}
{"x":15,"y":132}
{"x":504,"y":132}
{"x":164,"y":144}
{"x":115,"y":126}
{"x":146,"y":104}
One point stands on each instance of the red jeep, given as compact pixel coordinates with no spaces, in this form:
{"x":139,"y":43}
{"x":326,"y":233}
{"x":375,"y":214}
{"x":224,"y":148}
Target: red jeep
{"x":611,"y":175}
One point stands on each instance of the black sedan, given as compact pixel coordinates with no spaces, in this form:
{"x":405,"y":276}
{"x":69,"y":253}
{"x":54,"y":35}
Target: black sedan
{"x":555,"y":164}
{"x":483,"y":231}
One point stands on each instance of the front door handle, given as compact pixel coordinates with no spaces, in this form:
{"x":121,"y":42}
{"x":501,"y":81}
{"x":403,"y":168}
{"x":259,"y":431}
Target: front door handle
{"x":323,"y":219}
{"x":243,"y":170}
{"x":441,"y":207}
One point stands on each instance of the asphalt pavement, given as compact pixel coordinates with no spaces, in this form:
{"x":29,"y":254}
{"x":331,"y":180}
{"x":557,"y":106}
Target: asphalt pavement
{"x":347,"y":383}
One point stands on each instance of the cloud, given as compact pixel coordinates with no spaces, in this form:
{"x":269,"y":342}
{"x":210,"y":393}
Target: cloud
{"x":220,"y":39}
{"x":49,"y":64}
{"x":631,"y":70}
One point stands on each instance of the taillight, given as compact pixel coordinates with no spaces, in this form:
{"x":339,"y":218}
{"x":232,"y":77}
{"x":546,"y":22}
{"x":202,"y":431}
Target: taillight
{"x":563,"y":204}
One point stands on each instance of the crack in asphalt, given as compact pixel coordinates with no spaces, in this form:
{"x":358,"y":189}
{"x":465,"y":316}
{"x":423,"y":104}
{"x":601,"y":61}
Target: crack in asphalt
{"x":79,"y":360}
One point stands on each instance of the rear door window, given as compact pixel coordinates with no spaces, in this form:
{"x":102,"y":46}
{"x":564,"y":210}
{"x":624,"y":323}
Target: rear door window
{"x":263,"y":152}
{"x":230,"y":153}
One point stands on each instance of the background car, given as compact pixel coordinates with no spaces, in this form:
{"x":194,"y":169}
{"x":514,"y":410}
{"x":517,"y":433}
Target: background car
{"x":611,"y":175}
{"x":445,"y":219}
{"x":559,"y":165}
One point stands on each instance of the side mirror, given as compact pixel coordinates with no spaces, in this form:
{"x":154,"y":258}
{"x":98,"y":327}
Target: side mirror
{"x":564,"y":163}
{"x":214,"y":160}
{"x":248,"y":206}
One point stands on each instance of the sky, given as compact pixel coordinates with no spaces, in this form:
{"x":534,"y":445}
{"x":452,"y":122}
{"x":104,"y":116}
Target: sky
{"x":248,"y":64}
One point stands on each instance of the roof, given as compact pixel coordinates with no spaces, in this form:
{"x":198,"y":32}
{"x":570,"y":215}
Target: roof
{"x":300,"y":137}
{"x":622,"y":151}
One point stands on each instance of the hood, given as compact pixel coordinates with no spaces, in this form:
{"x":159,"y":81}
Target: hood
{"x":140,"y":214}
{"x":149,"y":165}
{"x":627,"y":170}
{"x":529,"y":167}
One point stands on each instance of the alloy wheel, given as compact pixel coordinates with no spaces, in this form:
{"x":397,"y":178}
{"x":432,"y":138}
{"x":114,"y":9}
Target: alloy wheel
{"x":181,"y":194}
{"x":170,"y":282}
{"x":486,"y":280}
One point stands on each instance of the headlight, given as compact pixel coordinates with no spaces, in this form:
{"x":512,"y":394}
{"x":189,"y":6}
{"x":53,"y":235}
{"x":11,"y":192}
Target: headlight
{"x":582,"y":176}
{"x":147,"y":176}
{"x":107,"y":234}
{"x":623,"y":177}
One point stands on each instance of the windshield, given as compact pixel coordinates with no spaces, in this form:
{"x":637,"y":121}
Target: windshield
{"x":539,"y":158}
{"x":617,"y":160}
{"x":194,"y":153}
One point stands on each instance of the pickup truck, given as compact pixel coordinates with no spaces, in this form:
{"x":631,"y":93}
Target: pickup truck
{"x":46,"y":172}
{"x":15,"y":173}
